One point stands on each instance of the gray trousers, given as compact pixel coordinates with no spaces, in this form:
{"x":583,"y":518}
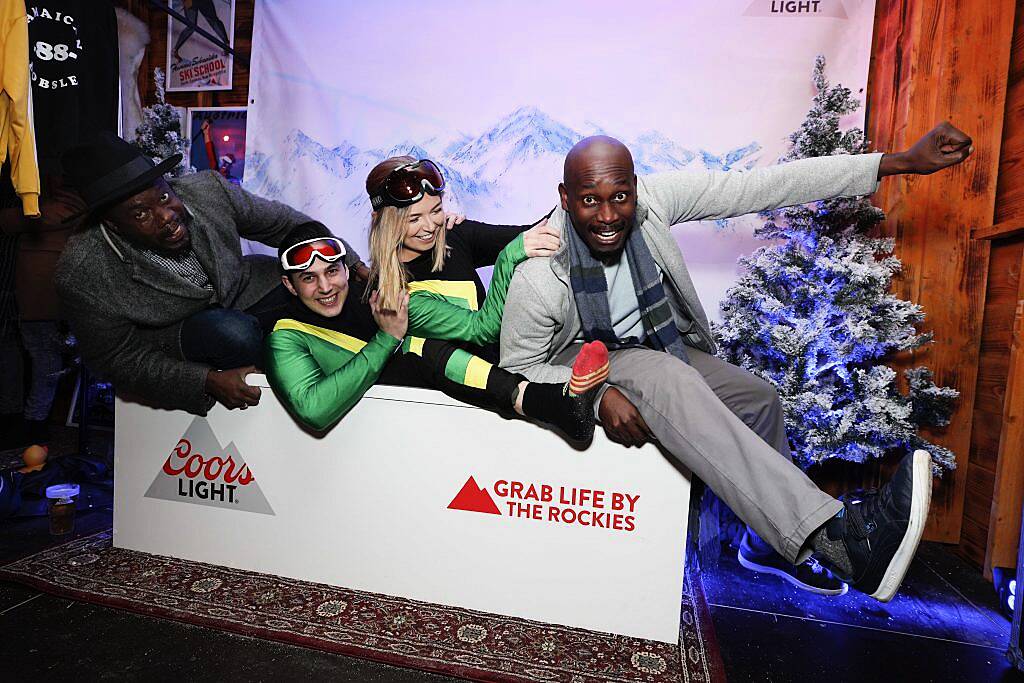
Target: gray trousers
{"x":726,"y":426}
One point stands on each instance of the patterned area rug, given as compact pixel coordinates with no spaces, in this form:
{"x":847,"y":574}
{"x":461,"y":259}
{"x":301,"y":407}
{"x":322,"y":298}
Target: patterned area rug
{"x":447,"y":640}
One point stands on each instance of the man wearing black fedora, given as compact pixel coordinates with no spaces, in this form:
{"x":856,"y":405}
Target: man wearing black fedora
{"x":155,"y":285}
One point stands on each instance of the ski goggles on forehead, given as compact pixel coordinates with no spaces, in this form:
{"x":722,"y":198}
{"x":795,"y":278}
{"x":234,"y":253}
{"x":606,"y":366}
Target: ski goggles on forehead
{"x":300,"y":256}
{"x":407,"y":184}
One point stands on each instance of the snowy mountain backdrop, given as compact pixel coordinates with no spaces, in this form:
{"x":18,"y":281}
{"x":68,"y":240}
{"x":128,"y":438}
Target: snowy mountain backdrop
{"x":507,"y":174}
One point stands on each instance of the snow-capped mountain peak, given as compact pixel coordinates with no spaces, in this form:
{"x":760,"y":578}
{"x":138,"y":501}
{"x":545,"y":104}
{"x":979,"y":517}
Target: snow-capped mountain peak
{"x":512,"y":167}
{"x":524,"y":135}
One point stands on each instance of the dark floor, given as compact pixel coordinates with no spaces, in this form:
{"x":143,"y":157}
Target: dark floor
{"x":944,"y":626}
{"x":43,"y":637}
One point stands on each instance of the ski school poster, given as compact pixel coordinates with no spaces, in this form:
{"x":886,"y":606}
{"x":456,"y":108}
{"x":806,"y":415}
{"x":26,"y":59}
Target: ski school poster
{"x":194,"y":62}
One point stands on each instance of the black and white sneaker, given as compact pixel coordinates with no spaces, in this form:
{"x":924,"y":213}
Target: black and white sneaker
{"x":881,"y":532}
{"x":810,"y":575}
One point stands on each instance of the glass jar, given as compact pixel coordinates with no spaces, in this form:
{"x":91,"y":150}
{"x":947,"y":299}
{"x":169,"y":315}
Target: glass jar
{"x":62,"y":508}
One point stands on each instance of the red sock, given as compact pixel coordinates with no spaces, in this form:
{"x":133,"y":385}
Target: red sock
{"x":590,"y":369}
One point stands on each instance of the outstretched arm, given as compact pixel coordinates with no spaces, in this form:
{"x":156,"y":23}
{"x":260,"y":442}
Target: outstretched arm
{"x":681,"y":196}
{"x":434,"y":317}
{"x":315,"y":398}
{"x":268,"y":221}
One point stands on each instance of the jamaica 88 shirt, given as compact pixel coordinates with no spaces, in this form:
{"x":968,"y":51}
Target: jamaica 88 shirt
{"x":52,"y":47}
{"x":73,"y":67}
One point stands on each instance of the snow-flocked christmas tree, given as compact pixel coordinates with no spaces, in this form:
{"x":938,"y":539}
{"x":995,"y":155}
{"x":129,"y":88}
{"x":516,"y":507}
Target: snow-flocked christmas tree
{"x":813,"y":315}
{"x":159,"y":135}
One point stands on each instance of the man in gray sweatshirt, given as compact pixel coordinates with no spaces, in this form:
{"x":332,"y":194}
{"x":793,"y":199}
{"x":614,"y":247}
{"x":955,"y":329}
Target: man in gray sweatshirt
{"x":620,"y":277}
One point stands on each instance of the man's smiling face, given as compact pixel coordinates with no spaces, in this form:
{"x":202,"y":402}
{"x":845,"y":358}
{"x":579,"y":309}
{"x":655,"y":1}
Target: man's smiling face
{"x":599,"y":192}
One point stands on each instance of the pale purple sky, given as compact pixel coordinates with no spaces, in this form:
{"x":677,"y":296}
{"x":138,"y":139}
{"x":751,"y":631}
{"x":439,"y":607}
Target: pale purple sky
{"x":705,"y":73}
{"x":699,"y":71}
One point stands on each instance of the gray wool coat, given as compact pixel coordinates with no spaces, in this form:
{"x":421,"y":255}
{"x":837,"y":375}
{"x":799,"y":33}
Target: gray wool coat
{"x":126,"y":310}
{"x":541,"y":320}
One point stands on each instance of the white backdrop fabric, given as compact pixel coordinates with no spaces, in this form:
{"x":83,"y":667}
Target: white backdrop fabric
{"x":497,"y":92}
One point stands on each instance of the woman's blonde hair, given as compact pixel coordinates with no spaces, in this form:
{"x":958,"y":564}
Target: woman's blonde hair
{"x":388,"y":275}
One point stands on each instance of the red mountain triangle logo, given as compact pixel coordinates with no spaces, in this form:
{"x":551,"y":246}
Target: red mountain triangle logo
{"x":472,"y":498}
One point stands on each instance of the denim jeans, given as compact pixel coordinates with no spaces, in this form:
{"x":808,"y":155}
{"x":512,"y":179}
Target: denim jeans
{"x":42,"y":341}
{"x":12,"y":381}
{"x":222,"y":338}
{"x":225,"y":338}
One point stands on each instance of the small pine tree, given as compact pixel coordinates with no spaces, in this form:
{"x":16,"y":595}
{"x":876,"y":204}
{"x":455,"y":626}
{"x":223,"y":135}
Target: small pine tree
{"x":813,"y":315}
{"x":159,"y":135}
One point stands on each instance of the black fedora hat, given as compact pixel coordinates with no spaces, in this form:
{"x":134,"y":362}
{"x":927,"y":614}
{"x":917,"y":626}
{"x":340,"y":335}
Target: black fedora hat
{"x":104,"y":169}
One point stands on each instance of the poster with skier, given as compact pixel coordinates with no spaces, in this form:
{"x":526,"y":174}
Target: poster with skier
{"x":217,"y":137}
{"x":194,"y":61}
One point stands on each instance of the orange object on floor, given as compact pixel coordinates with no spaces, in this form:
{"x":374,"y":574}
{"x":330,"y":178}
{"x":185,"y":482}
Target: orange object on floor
{"x":35,"y":458}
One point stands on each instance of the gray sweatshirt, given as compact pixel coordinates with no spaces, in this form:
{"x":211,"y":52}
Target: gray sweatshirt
{"x":540,"y":318}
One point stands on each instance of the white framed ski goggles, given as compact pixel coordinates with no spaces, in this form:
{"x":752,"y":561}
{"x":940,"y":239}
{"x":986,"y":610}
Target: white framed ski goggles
{"x":300,"y":256}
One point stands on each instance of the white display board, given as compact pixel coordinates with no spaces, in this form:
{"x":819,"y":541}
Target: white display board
{"x":413,"y":494}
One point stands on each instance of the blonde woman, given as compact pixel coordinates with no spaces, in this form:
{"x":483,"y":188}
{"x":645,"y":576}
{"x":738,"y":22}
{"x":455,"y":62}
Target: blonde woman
{"x":411,"y":250}
{"x":414,"y":254}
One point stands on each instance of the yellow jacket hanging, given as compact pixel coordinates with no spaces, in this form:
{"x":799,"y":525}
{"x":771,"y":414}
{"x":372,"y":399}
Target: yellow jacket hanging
{"x":17,"y":139}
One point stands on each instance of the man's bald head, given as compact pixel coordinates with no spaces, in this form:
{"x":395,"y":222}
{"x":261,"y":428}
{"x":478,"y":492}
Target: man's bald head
{"x":598,"y":190}
{"x":595,"y":153}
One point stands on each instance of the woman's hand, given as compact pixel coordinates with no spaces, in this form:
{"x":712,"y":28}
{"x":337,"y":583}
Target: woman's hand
{"x":395,"y":323}
{"x":453,"y":219}
{"x":541,"y":240}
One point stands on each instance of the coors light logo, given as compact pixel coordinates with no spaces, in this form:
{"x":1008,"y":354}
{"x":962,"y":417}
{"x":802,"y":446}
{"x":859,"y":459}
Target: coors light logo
{"x":200,"y":471}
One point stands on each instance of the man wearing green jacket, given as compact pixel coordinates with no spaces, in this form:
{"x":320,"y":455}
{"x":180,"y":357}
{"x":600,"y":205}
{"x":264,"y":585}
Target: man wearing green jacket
{"x":324,"y":355}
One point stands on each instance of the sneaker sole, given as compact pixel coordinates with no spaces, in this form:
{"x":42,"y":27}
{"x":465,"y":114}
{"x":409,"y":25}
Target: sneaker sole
{"x":919,"y":505}
{"x":763,"y":569}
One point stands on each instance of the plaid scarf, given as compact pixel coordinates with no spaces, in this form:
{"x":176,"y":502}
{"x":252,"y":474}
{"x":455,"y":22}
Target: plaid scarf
{"x":590,"y":288}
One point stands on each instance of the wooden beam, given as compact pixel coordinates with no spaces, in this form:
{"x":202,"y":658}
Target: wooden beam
{"x":934,"y":61}
{"x":1008,"y":494}
{"x":999,"y":230}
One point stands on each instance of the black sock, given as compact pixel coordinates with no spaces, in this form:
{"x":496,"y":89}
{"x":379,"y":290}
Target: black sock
{"x":552,"y":403}
{"x":827,"y":544}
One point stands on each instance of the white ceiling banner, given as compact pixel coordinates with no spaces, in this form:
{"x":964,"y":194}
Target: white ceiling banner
{"x":498,"y":92}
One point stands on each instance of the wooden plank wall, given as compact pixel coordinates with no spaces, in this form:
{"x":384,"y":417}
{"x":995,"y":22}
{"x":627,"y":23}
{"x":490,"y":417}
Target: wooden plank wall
{"x":945,"y":59}
{"x":1008,"y":487}
{"x":995,"y":473}
{"x":1001,"y":297}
